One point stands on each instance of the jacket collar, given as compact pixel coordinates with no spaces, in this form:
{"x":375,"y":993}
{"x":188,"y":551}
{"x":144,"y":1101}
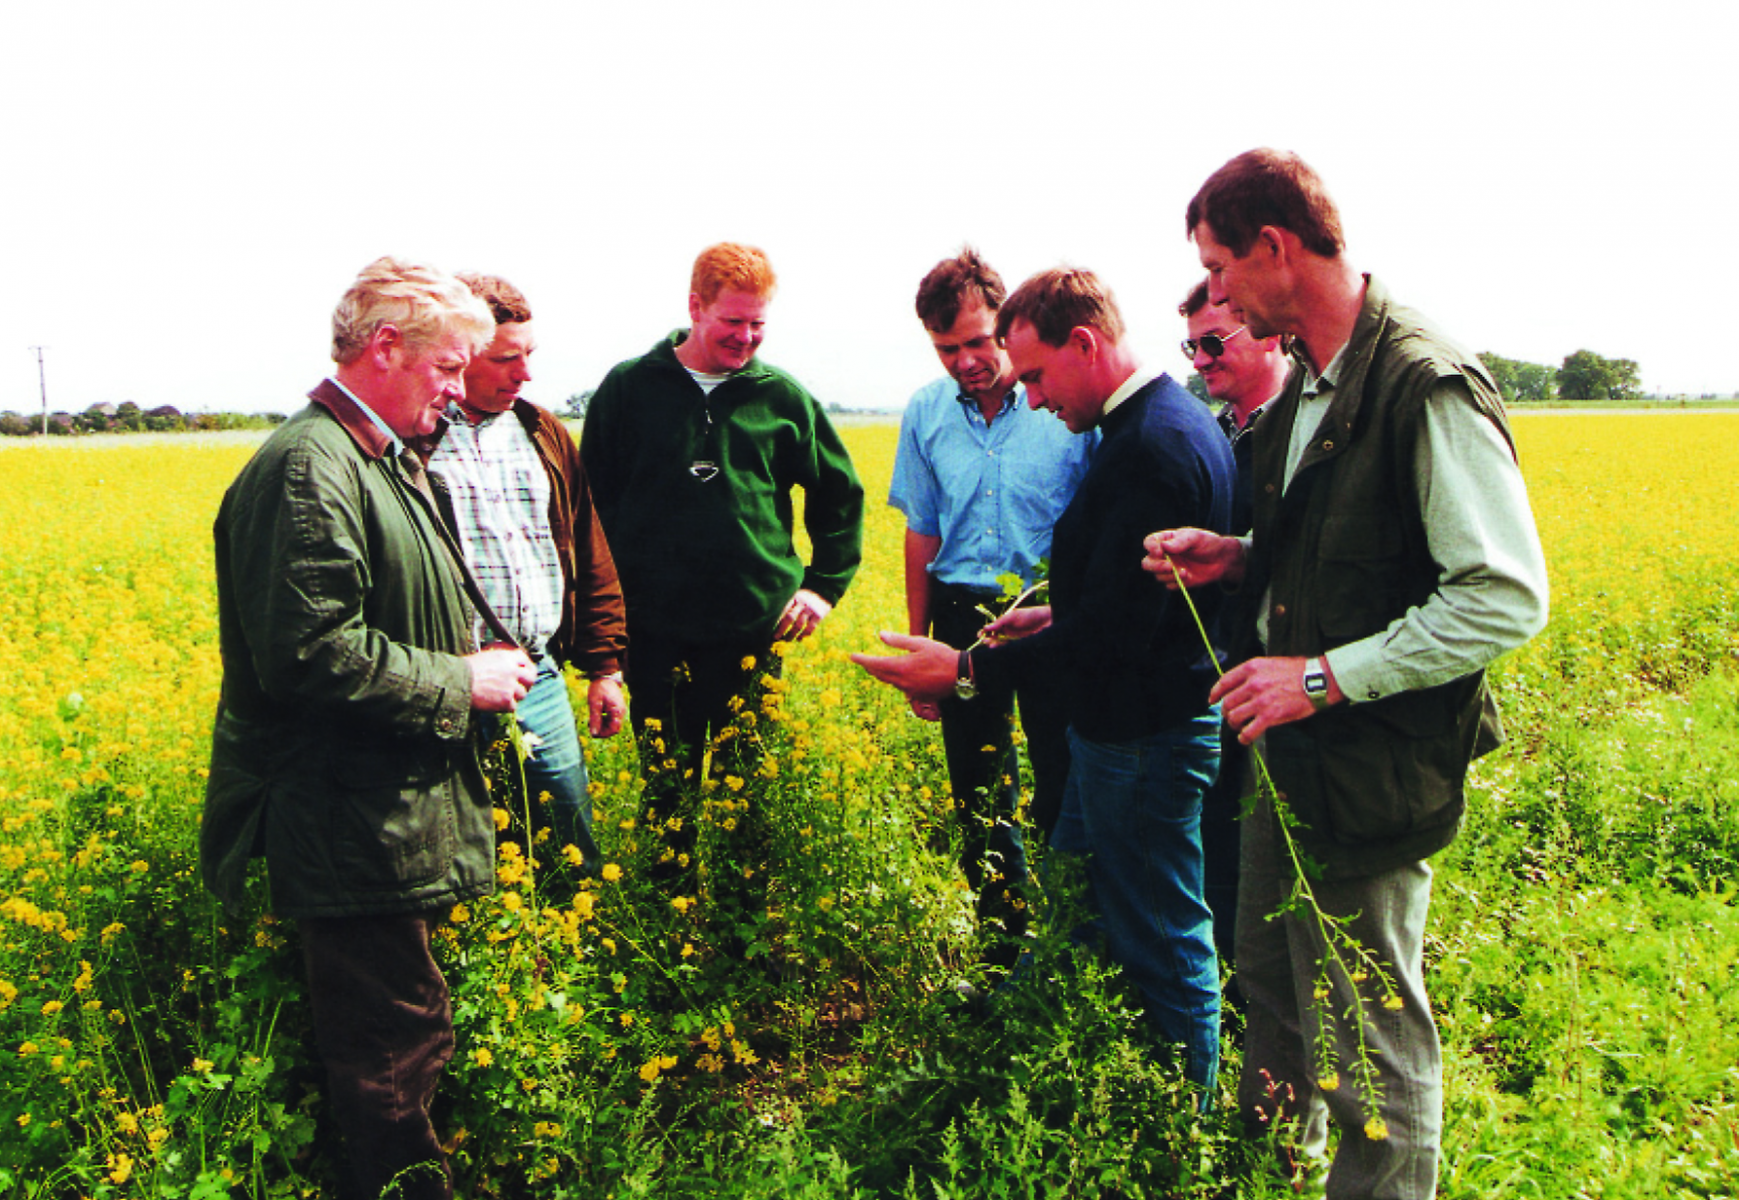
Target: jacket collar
{"x":1348,"y":377}
{"x":665,"y":351}
{"x":365,"y":433}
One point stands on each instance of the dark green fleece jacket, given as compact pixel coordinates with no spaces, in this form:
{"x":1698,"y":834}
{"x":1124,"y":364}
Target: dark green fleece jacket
{"x":694,"y":491}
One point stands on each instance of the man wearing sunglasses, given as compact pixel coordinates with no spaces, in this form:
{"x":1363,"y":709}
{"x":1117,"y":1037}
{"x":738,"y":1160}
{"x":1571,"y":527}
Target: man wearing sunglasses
{"x":693,"y":451}
{"x":1393,"y":557}
{"x":1244,"y":373}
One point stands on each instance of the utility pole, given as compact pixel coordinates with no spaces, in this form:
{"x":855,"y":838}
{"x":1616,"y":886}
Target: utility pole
{"x":42,"y":382}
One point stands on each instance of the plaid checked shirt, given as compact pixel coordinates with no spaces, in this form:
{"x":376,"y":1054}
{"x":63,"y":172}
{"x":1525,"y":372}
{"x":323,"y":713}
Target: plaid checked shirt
{"x":501,"y":498}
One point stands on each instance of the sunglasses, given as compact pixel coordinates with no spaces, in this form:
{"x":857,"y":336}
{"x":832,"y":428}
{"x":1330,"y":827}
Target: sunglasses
{"x":1213,"y":343}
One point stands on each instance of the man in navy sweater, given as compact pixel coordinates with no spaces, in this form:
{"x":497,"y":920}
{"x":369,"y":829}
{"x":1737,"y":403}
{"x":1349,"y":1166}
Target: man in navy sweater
{"x":1131,"y":663}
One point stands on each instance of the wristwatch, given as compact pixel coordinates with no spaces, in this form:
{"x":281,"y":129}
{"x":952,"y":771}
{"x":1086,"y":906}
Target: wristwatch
{"x":965,"y":686}
{"x":1316,"y":683}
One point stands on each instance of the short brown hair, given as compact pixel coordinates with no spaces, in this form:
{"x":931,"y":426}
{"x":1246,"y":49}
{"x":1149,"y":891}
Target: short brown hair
{"x":507,"y":302}
{"x":1266,"y":187}
{"x":1054,"y":302}
{"x":730,"y":265}
{"x":1195,"y":301}
{"x":945,"y":290}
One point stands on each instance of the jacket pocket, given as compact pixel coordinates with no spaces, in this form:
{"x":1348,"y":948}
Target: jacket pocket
{"x":393,"y":821}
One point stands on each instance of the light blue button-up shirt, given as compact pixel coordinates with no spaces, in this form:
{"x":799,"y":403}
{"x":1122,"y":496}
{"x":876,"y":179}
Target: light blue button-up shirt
{"x":991,"y":492}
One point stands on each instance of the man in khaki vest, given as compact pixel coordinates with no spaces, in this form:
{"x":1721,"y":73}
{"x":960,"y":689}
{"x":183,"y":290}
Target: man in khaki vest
{"x":1393,"y":557}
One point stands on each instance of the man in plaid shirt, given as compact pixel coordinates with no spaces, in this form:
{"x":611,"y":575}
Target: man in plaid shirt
{"x":524,"y":514}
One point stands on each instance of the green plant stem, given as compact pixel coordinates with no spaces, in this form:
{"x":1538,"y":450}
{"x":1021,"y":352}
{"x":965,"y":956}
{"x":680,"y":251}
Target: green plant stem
{"x":1335,"y":939}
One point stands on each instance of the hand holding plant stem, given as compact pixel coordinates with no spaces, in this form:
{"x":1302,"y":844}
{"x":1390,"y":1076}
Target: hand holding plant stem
{"x":1011,"y":586}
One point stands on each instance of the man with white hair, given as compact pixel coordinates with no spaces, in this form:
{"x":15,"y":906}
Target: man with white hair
{"x":344,"y":750}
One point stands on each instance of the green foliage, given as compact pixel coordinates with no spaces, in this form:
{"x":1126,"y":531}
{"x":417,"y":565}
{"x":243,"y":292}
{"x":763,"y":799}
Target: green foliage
{"x":818,"y":1043}
{"x":1585,"y":375}
{"x":1518,"y":380}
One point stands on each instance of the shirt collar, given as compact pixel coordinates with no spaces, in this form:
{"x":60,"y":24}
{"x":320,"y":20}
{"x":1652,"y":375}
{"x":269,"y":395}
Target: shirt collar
{"x":397,"y":443}
{"x":1228,"y":418}
{"x":1012,"y":399}
{"x":1137,"y":380}
{"x":456,"y":415}
{"x":1315,"y":384}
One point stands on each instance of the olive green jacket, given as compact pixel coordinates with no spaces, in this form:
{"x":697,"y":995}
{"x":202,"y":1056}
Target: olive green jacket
{"x":1342,"y":551}
{"x":343,"y":750}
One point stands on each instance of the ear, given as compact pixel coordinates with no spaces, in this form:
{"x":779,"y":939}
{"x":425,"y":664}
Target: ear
{"x":694,"y":306}
{"x":1085,"y":340}
{"x":386,"y":340}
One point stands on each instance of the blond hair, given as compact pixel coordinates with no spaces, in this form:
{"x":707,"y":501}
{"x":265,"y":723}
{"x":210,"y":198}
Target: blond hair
{"x":422,"y":302}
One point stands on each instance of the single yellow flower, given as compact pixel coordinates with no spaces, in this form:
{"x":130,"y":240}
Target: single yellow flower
{"x":1329,"y":1082}
{"x":611,"y":872}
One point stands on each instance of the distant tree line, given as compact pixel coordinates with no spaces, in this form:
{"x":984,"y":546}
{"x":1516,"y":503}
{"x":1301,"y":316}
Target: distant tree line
{"x":1585,"y":375}
{"x":128,"y":417}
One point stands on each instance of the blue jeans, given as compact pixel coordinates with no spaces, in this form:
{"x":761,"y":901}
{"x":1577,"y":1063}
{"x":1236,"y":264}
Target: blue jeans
{"x":1134,"y":810}
{"x":557,"y":768}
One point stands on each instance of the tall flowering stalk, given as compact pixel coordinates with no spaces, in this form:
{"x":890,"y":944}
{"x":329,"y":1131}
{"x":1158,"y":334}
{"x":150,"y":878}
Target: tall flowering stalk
{"x":522,"y":744}
{"x":1344,"y":953}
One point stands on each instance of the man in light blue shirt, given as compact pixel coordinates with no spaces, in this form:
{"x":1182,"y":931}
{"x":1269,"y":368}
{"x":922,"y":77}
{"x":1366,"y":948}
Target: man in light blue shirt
{"x":981,"y":479}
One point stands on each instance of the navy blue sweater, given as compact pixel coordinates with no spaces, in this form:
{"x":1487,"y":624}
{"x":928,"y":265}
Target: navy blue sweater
{"x":1124,"y":650}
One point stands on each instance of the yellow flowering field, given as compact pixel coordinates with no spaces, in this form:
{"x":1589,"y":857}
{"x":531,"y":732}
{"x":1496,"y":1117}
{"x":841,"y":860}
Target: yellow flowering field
{"x":151,"y":1045}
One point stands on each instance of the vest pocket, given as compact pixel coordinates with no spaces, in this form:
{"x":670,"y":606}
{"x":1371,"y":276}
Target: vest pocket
{"x":1363,"y":780}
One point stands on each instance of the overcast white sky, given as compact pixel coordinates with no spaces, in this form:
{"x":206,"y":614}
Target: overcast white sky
{"x":192,"y":185}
